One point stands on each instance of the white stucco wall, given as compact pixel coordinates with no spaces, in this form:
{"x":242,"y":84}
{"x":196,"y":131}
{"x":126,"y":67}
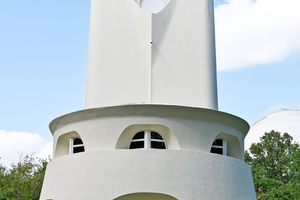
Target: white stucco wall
{"x":140,"y":57}
{"x":287,"y":121}
{"x":184,"y":175}
{"x":185,"y":170}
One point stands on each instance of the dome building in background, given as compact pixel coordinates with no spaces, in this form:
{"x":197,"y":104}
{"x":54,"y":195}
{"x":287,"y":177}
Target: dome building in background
{"x":282,"y":118}
{"x":151,"y":128}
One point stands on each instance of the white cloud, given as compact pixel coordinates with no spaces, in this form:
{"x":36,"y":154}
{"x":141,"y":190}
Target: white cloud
{"x":253,"y":32}
{"x":12,"y":143}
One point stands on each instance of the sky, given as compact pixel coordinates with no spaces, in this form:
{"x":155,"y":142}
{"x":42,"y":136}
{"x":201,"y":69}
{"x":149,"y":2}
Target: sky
{"x":43,"y":63}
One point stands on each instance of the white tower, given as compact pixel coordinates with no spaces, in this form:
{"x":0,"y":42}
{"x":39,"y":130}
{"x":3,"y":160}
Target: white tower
{"x":164,"y":58}
{"x":151,"y":129}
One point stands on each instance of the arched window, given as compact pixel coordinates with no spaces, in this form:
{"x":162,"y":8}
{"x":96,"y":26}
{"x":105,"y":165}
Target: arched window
{"x":219,"y":146}
{"x":147,"y":140}
{"x":75,"y":145}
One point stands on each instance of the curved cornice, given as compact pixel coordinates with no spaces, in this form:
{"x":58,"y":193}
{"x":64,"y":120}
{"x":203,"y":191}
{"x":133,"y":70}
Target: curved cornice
{"x":151,"y":110}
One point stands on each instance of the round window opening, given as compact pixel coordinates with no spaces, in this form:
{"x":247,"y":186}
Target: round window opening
{"x":152,"y":6}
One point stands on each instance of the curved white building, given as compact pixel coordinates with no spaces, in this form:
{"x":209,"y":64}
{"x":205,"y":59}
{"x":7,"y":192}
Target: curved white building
{"x":151,"y":129}
{"x":284,"y":121}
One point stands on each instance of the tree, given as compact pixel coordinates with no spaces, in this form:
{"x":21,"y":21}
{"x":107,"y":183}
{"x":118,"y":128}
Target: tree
{"x":23,"y":180}
{"x":5,"y":193}
{"x":275,"y":163}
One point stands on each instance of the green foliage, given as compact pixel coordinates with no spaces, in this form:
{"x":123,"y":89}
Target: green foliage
{"x":275,"y":163}
{"x":23,"y":180}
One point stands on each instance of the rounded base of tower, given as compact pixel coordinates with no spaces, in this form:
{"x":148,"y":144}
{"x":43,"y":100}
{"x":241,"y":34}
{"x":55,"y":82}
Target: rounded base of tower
{"x":183,"y":175}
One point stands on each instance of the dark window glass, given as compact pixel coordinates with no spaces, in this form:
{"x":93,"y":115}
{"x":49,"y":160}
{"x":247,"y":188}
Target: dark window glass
{"x":136,"y":145}
{"x":158,"y":145}
{"x":139,"y":135}
{"x":216,"y":150}
{"x":78,"y":149}
{"x":77,"y":141}
{"x":218,"y":142}
{"x":156,"y":136}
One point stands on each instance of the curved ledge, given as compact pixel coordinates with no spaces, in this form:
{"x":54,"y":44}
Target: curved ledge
{"x":151,"y":110}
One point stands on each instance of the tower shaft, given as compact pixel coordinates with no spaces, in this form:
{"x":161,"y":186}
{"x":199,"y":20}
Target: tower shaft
{"x":164,"y":58}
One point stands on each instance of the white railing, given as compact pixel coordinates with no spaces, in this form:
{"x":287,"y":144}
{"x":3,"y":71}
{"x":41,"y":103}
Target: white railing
{"x":278,"y":108}
{"x":282,"y":107}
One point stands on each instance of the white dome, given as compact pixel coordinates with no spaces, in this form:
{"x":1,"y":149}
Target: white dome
{"x":285,"y":121}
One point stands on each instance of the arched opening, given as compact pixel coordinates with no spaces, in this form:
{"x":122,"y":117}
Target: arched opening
{"x":167,"y":136}
{"x":152,"y":6}
{"x":146,"y":196}
{"x":68,"y":143}
{"x":147,"y":139}
{"x":219,"y":146}
{"x":226,"y":144}
{"x":75,"y":145}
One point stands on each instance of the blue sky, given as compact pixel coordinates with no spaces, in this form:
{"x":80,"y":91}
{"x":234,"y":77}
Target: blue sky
{"x":43,"y":62}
